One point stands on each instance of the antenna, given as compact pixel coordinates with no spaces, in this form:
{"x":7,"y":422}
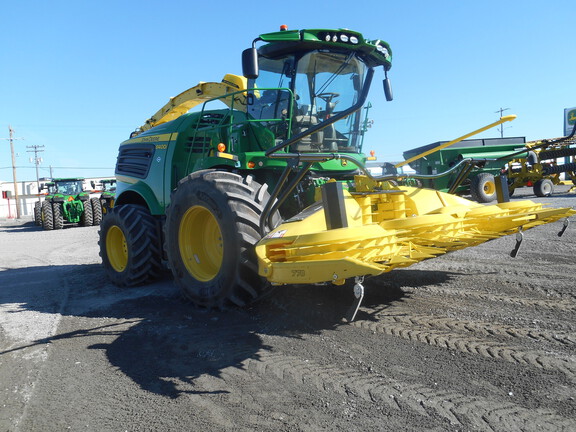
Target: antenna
{"x":501,"y":110}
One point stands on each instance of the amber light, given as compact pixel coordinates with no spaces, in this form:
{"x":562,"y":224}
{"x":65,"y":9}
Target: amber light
{"x":221,"y":147}
{"x":70,"y":198}
{"x":283,"y":27}
{"x":251,"y":164}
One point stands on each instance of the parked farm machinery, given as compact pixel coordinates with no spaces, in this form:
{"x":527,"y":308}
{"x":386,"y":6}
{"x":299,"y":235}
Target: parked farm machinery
{"x":107,"y":189}
{"x":272,"y":188}
{"x":540,"y":166}
{"x":67,"y":202}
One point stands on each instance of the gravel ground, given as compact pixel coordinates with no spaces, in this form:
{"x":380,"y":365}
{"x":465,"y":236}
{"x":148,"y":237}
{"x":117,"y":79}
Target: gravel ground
{"x":470,"y":341}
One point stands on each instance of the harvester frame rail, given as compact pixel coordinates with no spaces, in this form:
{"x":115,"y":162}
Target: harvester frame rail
{"x":545,"y":143}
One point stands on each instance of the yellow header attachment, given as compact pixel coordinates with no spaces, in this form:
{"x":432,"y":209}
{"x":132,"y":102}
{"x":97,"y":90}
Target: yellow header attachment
{"x":386,"y":228}
{"x":204,"y":91}
{"x":448,"y":144}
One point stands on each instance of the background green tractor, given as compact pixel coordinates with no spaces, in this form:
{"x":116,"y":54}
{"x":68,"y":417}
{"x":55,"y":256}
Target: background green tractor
{"x":107,"y":189}
{"x":108,"y":194}
{"x":68,"y":202}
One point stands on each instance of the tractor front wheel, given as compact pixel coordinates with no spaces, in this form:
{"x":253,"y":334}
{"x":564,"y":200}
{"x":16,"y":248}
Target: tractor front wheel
{"x":57,"y":215}
{"x":543,"y":187}
{"x":47,"y":216}
{"x":96,"y":210}
{"x":87,"y":218}
{"x":483,"y":188}
{"x":211,"y":230}
{"x":130,"y":245}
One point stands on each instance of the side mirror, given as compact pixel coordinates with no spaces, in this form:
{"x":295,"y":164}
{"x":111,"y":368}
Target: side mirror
{"x":250,"y":63}
{"x":388,"y":90}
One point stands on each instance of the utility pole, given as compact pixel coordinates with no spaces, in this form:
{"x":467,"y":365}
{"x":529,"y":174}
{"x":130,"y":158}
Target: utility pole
{"x":501,"y":110}
{"x":12,"y":139}
{"x":37,"y":161}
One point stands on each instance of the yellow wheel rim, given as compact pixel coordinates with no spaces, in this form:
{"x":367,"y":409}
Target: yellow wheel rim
{"x":489,"y":187}
{"x":117,"y":249}
{"x":200,"y":243}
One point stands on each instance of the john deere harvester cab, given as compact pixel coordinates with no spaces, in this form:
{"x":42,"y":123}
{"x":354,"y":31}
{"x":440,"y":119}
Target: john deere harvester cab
{"x":264,"y":183}
{"x":68,"y":202}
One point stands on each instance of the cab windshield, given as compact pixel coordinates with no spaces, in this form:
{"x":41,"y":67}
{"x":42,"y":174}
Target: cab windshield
{"x":72,"y":187}
{"x":310,"y":88}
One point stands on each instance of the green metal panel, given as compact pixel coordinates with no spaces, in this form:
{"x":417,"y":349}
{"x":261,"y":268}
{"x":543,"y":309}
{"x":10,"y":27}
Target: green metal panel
{"x":479,"y":149}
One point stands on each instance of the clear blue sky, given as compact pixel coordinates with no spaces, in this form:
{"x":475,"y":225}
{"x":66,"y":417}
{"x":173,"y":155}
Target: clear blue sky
{"x":78,"y":76}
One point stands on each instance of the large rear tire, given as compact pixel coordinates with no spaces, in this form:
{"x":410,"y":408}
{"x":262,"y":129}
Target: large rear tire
{"x":47,"y":216}
{"x":211,"y":230}
{"x":483,"y":188}
{"x":96,"y":211}
{"x":57,"y":215}
{"x":130,"y":245}
{"x":87,"y":218}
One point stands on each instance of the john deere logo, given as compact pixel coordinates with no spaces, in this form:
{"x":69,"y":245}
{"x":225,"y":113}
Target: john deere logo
{"x":572,"y":117}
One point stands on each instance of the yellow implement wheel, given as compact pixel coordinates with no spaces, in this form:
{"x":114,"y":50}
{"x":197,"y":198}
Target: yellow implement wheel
{"x":200,"y":242}
{"x":116,"y":248}
{"x":489,"y":188}
{"x":483,"y":188}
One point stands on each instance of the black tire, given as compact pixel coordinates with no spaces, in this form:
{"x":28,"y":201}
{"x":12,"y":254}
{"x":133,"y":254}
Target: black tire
{"x":543,"y":187}
{"x":57,"y":215}
{"x":96,"y":211}
{"x":87,"y":218}
{"x":105,"y":204}
{"x":47,"y":215}
{"x":130,"y":245}
{"x":38,"y":213}
{"x":216,"y":214}
{"x":483,"y":188}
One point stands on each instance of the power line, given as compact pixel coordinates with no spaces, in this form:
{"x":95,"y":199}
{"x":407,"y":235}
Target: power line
{"x":501,"y":110}
{"x":37,"y":160}
{"x":57,"y":167}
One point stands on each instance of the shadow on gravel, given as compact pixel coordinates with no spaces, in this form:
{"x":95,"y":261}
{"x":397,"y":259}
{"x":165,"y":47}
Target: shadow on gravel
{"x":163,"y":343}
{"x":18,"y":226}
